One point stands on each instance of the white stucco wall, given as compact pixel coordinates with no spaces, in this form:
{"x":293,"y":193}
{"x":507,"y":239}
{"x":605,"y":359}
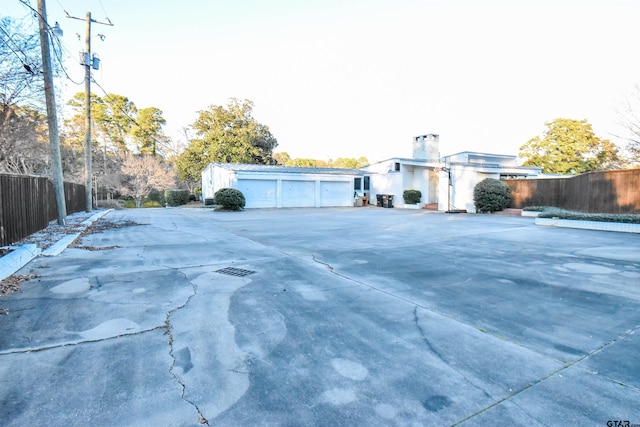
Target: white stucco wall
{"x":386,"y":183}
{"x":413,"y":175}
{"x":464,"y":180}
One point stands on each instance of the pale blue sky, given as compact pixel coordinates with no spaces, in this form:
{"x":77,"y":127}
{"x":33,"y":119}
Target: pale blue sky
{"x":361,"y":78}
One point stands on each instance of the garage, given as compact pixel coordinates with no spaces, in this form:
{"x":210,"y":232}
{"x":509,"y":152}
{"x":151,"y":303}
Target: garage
{"x":262,"y":193}
{"x":267,"y":186}
{"x":298,"y":194}
{"x":336,"y":193}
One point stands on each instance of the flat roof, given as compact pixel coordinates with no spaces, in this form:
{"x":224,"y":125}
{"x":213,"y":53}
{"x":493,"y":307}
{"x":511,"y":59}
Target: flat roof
{"x":243,"y":167}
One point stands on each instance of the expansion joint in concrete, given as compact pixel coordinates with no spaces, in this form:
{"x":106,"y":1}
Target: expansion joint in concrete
{"x":558,"y":372}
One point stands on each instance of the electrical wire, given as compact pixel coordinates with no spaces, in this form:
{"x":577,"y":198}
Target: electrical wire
{"x":58,"y":56}
{"x":57,"y":44}
{"x":27,"y":67}
{"x":9,"y":46}
{"x":106,"y":15}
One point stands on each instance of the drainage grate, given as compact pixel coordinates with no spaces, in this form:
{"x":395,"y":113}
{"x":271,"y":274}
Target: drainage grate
{"x":231,"y":271}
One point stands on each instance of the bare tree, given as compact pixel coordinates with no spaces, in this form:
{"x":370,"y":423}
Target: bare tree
{"x":23,"y":142}
{"x":23,"y":127}
{"x":21,"y":81}
{"x":141,"y":174}
{"x":629,"y":113}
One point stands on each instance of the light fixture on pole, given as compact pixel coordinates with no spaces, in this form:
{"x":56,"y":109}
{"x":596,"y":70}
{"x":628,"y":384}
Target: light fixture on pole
{"x":56,"y":30}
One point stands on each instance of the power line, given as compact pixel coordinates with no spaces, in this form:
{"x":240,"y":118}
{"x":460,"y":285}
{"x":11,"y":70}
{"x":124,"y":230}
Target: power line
{"x":9,"y":46}
{"x":64,"y":70}
{"x":26,"y":66}
{"x":106,"y":15}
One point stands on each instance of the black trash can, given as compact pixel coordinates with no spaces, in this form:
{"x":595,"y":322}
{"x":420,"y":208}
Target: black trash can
{"x":379,"y":200}
{"x":387,"y":200}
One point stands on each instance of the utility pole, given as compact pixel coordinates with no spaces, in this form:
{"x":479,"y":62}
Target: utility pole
{"x":87,"y":108}
{"x":88,"y":62}
{"x":52,"y":117}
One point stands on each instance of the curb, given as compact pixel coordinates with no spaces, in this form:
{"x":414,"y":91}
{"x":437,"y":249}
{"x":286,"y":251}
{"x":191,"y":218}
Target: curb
{"x":619,"y":227}
{"x":22,"y":255}
{"x":18,"y":258}
{"x":60,"y":245}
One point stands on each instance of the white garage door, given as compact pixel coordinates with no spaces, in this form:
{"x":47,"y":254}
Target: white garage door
{"x":336,"y":193}
{"x":258,"y":193}
{"x":298,"y":194}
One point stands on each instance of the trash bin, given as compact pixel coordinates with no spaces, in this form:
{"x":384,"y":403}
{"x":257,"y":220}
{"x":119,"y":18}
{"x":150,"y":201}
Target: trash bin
{"x":387,"y":200}
{"x":379,"y":200}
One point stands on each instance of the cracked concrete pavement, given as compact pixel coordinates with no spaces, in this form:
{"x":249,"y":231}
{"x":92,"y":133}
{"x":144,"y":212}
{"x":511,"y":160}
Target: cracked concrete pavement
{"x":363,"y":316}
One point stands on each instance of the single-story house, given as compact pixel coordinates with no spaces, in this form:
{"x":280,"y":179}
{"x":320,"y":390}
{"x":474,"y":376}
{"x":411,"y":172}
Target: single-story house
{"x":445,"y":182}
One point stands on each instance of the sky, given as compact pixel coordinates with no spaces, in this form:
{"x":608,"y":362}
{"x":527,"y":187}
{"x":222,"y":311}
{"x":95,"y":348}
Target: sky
{"x":352,"y":78}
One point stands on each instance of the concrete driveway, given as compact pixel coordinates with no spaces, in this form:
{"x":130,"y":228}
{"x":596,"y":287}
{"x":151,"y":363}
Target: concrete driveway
{"x":345,"y":317}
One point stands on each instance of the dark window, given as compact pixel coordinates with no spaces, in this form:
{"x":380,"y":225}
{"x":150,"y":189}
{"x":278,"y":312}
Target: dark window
{"x":367,"y":180}
{"x":397,"y":166}
{"x":357,"y":184}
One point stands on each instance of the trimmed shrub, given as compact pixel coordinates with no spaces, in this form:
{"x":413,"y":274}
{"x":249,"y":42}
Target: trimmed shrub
{"x":176,"y":197}
{"x":110,"y":204}
{"x":229,"y":198}
{"x":536,"y":208}
{"x":151,"y":204}
{"x":129,"y":204}
{"x":411,"y":197}
{"x":582,"y":216}
{"x":155,"y":196}
{"x":491,"y":195}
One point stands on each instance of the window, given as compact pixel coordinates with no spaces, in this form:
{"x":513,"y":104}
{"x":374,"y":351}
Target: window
{"x":357,"y":184}
{"x":397,"y":167}
{"x":367,"y":183}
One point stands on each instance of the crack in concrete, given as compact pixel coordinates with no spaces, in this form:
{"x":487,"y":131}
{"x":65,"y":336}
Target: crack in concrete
{"x":416,"y":320}
{"x":398,"y":297}
{"x":74,"y":343}
{"x":515,"y":393}
{"x":437,"y":353}
{"x":557,"y":372}
{"x":424,"y":336}
{"x":167,"y":326}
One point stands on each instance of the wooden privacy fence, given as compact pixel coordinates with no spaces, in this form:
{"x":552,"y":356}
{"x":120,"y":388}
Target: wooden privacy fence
{"x":615,"y":192}
{"x":28,"y":203}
